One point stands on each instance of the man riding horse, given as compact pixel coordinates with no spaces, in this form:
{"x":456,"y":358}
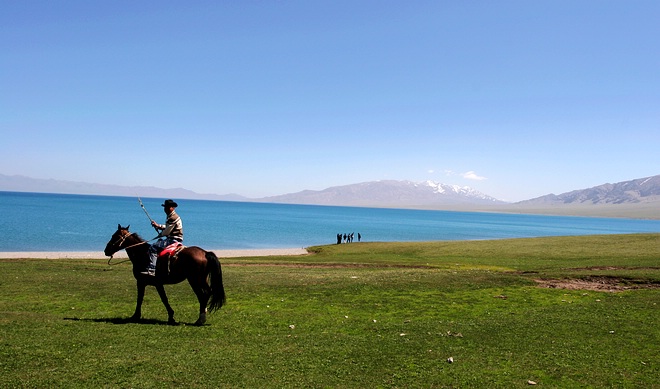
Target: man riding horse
{"x":171,"y":232}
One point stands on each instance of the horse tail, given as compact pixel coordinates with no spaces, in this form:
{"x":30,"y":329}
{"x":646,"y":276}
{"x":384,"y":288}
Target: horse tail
{"x":217,"y":289}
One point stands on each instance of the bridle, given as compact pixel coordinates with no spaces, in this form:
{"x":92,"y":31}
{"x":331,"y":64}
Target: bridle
{"x":120,"y":242}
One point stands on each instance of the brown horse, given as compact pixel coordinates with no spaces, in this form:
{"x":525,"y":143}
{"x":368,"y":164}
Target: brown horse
{"x":192,"y":263}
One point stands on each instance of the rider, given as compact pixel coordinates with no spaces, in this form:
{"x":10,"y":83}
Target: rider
{"x":170,"y":232}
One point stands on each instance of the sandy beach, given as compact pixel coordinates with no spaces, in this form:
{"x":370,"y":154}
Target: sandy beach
{"x":122,"y":254}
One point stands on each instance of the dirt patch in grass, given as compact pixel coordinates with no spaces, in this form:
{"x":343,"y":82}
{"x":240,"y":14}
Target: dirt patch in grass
{"x":601,"y":284}
{"x":614,"y":268}
{"x":329,"y":265}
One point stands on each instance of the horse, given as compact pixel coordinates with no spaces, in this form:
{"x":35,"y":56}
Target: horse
{"x":192,"y":263}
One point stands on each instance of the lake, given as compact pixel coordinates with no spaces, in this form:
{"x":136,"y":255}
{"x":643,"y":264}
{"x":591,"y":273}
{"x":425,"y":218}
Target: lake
{"x":63,"y":222}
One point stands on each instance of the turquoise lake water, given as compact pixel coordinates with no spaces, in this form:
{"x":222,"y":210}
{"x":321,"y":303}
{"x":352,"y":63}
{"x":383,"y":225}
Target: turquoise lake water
{"x":59,"y":222}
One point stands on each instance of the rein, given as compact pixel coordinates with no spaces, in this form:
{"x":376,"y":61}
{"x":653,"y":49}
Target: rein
{"x":116,"y":263}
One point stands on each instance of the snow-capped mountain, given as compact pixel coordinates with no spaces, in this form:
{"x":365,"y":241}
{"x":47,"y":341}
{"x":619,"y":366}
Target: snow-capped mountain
{"x":389,"y":193}
{"x":462,"y":190}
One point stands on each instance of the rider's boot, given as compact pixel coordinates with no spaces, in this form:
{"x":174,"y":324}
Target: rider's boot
{"x":151,"y":267}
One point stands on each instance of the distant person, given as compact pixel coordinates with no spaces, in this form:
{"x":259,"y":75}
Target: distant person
{"x":359,"y":236}
{"x":339,"y":238}
{"x":170,"y":232}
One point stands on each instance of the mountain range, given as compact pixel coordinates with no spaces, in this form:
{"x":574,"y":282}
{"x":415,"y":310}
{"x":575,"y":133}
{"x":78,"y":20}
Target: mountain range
{"x":641,"y":190}
{"x":27,"y":184}
{"x":389,"y":193}
{"x":634,"y":198}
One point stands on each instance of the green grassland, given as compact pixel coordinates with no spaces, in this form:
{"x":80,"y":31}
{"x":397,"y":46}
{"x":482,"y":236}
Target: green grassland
{"x":360,"y":315}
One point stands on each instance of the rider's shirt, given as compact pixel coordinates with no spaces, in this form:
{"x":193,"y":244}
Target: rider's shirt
{"x":173,"y":227}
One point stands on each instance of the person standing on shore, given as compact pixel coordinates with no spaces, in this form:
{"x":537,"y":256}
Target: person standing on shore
{"x":170,"y":232}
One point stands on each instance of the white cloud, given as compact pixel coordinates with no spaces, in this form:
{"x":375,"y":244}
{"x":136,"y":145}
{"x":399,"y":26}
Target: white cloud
{"x":431,"y":171}
{"x":473,"y":176}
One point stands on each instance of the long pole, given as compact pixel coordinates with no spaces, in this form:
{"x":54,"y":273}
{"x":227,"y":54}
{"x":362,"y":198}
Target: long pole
{"x":147,"y":213}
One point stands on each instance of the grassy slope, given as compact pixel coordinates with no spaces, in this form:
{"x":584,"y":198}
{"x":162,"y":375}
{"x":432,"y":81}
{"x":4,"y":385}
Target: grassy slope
{"x":356,"y":315}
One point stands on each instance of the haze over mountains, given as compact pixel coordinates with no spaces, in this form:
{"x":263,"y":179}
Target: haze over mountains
{"x":635,"y":198}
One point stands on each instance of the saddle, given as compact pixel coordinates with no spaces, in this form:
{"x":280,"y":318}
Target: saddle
{"x":166,"y":256}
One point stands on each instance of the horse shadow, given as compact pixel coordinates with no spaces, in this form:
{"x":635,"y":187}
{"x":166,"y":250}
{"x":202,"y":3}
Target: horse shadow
{"x":128,"y":320}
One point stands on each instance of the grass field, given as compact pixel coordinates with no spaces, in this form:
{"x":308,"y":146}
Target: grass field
{"x":360,"y":315}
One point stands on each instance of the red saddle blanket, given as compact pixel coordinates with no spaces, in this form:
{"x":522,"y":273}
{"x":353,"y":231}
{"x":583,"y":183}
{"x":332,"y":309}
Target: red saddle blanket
{"x":171,"y":250}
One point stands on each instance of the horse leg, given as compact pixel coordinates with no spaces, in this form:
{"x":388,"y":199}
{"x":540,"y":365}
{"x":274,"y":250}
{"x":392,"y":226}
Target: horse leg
{"x":203,"y":293}
{"x":138,"y":306}
{"x":163,"y":298}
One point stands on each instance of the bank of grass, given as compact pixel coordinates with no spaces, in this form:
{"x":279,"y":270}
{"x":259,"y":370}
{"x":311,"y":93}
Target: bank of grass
{"x":348,"y":316}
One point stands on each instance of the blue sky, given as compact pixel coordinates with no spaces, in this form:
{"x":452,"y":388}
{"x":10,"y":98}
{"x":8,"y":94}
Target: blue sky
{"x":516,"y":99}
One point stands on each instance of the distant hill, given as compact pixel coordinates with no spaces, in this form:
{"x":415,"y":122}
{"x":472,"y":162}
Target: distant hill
{"x":639,"y":198}
{"x":389,"y":193}
{"x":27,"y":184}
{"x":641,"y":190}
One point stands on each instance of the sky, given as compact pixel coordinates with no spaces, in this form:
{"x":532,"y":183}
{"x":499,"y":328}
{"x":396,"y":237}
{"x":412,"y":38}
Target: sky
{"x":516,"y":99}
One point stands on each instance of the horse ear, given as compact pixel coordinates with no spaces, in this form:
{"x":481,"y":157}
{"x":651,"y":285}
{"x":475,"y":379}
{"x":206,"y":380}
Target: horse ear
{"x":127,"y":227}
{"x":119,"y":226}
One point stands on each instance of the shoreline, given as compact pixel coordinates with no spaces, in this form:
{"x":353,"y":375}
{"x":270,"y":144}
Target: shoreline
{"x":99,"y":254}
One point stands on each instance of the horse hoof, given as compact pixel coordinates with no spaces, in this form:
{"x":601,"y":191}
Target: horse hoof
{"x":201,"y":320}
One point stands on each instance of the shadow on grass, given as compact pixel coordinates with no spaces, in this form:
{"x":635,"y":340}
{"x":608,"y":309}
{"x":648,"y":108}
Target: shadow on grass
{"x":128,"y":320}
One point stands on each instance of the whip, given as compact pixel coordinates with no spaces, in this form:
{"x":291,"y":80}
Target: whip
{"x":147,"y":213}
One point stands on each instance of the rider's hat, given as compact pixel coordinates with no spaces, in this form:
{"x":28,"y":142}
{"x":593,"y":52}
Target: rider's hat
{"x":170,"y":203}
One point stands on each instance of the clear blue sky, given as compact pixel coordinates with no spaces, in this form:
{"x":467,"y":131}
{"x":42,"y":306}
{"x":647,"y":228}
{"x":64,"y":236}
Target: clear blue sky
{"x":516,"y":99}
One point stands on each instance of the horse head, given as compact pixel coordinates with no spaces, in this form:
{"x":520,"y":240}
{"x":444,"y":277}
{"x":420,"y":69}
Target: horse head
{"x":117,"y":241}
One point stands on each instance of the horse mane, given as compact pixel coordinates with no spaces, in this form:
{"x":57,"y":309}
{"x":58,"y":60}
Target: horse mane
{"x":138,"y":237}
{"x":135,"y":234}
